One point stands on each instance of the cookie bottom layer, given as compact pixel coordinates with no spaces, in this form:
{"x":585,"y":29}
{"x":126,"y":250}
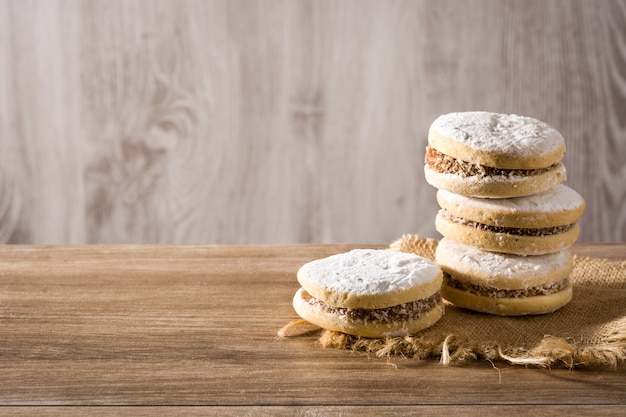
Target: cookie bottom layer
{"x":313,"y":313}
{"x":504,"y":242}
{"x":540,"y":304}
{"x":498,"y":186}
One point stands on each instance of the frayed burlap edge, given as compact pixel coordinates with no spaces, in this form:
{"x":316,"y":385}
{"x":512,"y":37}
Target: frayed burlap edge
{"x":551,"y":352}
{"x":450,"y":349}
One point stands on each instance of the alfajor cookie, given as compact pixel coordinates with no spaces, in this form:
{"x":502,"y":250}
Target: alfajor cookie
{"x":370,"y":293}
{"x":504,"y":284}
{"x":493,"y":155}
{"x":532,"y":225}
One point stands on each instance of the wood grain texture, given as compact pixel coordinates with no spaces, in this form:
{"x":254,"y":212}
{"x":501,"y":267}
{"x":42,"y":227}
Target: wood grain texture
{"x":321,"y":411}
{"x":194,"y":328}
{"x":277,"y":121}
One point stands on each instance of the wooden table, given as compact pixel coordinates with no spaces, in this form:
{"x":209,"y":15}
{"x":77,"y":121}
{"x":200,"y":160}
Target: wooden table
{"x":172,"y":330}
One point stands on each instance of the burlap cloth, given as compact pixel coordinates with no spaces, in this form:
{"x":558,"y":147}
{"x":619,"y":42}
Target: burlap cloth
{"x":589,"y":332}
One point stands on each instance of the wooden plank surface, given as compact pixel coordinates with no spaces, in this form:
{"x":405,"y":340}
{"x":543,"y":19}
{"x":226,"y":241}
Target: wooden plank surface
{"x":323,"y":411}
{"x":286,"y":121}
{"x":195,"y":326}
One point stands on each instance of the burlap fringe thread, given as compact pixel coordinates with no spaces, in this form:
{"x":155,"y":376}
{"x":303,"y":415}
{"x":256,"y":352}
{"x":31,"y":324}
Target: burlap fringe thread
{"x":551,"y":352}
{"x":451,"y":349}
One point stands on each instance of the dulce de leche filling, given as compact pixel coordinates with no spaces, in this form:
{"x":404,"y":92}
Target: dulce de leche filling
{"x":403,"y":312}
{"x":515,"y":231}
{"x":493,"y":292}
{"x":447,"y":164}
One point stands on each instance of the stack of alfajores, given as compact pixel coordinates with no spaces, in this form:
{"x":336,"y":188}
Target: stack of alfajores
{"x":506,"y":217}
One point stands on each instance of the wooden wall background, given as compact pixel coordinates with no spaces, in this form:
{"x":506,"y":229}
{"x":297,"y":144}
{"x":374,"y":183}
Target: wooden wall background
{"x":286,"y":121}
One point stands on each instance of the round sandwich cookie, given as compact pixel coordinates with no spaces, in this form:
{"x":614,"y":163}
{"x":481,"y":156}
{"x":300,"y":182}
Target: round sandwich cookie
{"x":504,"y":284}
{"x":370,"y":293}
{"x":493,"y":155}
{"x":532,"y":225}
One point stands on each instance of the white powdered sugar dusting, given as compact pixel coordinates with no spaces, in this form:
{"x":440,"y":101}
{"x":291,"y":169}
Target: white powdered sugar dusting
{"x":495,"y":132}
{"x":560,"y":198}
{"x":502,"y":264}
{"x":370,"y":271}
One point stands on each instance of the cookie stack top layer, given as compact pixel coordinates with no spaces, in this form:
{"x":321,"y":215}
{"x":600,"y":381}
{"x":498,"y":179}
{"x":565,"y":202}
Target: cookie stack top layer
{"x":492,"y":155}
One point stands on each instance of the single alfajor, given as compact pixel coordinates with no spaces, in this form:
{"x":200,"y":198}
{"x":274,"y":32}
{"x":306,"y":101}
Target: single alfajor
{"x":504,"y":284}
{"x":531,"y":225}
{"x":370,"y":293}
{"x":493,"y":155}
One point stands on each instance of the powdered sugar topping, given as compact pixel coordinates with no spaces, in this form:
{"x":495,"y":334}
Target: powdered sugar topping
{"x":494,"y":132}
{"x":370,"y":271}
{"x":501,"y":264}
{"x":557,"y":199}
